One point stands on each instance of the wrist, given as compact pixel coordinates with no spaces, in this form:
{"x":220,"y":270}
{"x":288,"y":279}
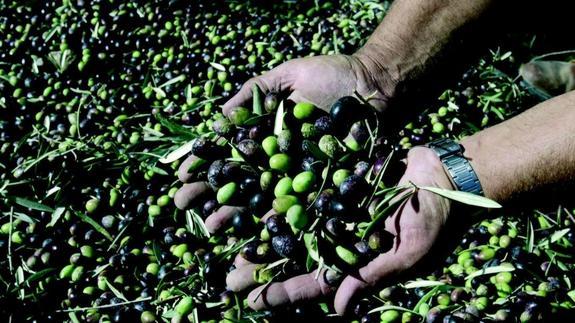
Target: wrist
{"x":424,"y":160}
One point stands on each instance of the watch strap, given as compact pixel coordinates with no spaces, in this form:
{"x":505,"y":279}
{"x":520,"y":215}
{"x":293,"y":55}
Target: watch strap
{"x":462,"y":174}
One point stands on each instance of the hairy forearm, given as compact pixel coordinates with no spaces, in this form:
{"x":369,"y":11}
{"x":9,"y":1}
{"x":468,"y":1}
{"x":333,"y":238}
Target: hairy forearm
{"x":532,"y":150}
{"x":413,"y":35}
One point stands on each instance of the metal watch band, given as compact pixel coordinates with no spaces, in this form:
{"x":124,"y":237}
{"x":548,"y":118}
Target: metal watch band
{"x":451,"y":155}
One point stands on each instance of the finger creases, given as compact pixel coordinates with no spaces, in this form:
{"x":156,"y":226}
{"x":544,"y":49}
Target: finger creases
{"x":294,"y":290}
{"x":189,"y":194}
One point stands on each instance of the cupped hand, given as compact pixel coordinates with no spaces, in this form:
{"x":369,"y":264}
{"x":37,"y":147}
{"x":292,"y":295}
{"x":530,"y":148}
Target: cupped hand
{"x":320,"y":80}
{"x":416,"y":227}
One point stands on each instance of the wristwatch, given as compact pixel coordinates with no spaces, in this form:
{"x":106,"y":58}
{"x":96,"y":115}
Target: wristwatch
{"x":462,"y":174}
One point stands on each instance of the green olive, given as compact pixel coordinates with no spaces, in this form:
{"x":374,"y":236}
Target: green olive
{"x":270,"y":145}
{"x":339,"y":176}
{"x":297,"y":217}
{"x":226,"y":192}
{"x":280,"y":162}
{"x":303,"y":182}
{"x":283,"y":187}
{"x":303,"y":110}
{"x":283,"y":203}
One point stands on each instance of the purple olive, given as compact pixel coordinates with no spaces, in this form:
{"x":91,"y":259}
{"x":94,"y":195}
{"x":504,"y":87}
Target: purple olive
{"x":323,"y":125}
{"x":361,"y":168}
{"x":251,"y":150}
{"x":209,"y":207}
{"x":206,"y":149}
{"x":353,"y":188}
{"x":344,"y":112}
{"x":285,"y":245}
{"x":242,"y":134}
{"x":336,"y":228}
{"x":215,"y":173}
{"x":276,"y":224}
{"x":323,"y":202}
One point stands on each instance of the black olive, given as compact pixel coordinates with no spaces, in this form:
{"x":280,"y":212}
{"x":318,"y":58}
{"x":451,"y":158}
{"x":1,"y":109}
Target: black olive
{"x":336,"y":228}
{"x":276,"y":224}
{"x":323,"y":202}
{"x":242,"y":222}
{"x":249,"y":251}
{"x":215,"y":173}
{"x":323,"y":125}
{"x":353,"y":188}
{"x":259,"y":204}
{"x":209,"y":207}
{"x":285,"y":245}
{"x":206,"y":149}
{"x":344,"y":112}
{"x":251,"y":150}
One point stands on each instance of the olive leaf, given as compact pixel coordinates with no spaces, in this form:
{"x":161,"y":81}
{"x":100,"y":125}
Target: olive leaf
{"x":462,"y":197}
{"x":178,"y":153}
{"x":32,"y":204}
{"x":491,"y":271}
{"x":256,"y":100}
{"x":422,"y":283}
{"x":392,"y":307}
{"x":279,"y":121}
{"x":382,"y":215}
{"x":95,"y":225}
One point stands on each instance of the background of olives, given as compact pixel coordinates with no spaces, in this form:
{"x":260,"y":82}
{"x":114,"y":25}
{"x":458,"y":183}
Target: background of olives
{"x":93,"y":93}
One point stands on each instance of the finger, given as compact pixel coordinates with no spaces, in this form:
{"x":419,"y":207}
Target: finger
{"x":240,"y":261}
{"x":296,"y":289}
{"x":244,"y":95}
{"x":241,"y":278}
{"x":385,"y":266}
{"x":221,"y":217}
{"x":183,"y":174}
{"x":190,"y":193}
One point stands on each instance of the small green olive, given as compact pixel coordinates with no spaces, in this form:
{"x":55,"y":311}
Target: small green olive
{"x":283,"y":187}
{"x":280,"y":162}
{"x":226,"y":192}
{"x":303,"y":110}
{"x":303,"y":182}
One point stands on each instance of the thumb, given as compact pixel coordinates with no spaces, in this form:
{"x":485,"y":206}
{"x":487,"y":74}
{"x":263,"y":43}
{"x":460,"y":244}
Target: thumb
{"x":383,"y":268}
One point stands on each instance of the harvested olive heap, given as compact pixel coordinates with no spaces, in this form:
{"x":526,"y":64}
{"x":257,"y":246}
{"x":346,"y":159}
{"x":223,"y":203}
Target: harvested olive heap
{"x":102,"y":100}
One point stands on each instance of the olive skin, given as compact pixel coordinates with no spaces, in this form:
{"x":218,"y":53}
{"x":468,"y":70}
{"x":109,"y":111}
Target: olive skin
{"x":353,"y":188}
{"x":285,"y":245}
{"x":344,"y":112}
{"x":215,"y":173}
{"x":276,"y":224}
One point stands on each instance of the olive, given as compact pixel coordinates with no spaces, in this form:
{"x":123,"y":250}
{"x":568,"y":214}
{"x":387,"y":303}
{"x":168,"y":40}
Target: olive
{"x":323,"y":202}
{"x":336,"y":228}
{"x":285,"y":245}
{"x":249,"y":251}
{"x":381,"y":241}
{"x":206,"y":149}
{"x":258,"y":204}
{"x":344,"y":112}
{"x":251,"y":150}
{"x":209,"y":207}
{"x":223,"y":127}
{"x":284,"y":141}
{"x":323,"y":125}
{"x":276,"y":224}
{"x":353,"y":188}
{"x":271,"y":101}
{"x":242,"y":222}
{"x":303,"y":110}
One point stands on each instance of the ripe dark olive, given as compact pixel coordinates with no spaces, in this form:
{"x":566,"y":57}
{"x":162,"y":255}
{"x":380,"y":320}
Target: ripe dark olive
{"x":242,"y":222}
{"x":209,"y":207}
{"x":276,"y":224}
{"x":259,"y":204}
{"x":249,"y":251}
{"x":215,"y":173}
{"x":361,"y":168}
{"x":285,"y":245}
{"x":231,"y":171}
{"x":249,"y":186}
{"x":251,"y":150}
{"x":323,"y":125}
{"x":242,"y":135}
{"x":323,"y":202}
{"x":353,"y":188}
{"x":335,"y":227}
{"x":344,"y":112}
{"x":339,"y":209}
{"x":223,"y":127}
{"x":359,"y":132}
{"x":206,"y":149}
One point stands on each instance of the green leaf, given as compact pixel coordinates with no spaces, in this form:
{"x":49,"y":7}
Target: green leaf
{"x":556,"y":236}
{"x":256,"y":100}
{"x":310,"y":242}
{"x":175,"y":128}
{"x":279,"y":121}
{"x":178,"y":153}
{"x":95,"y":225}
{"x":116,"y":292}
{"x":381,"y":216}
{"x":425,"y":298}
{"x":463,"y":197}
{"x":491,"y":271}
{"x":218,"y":66}
{"x":196,"y":225}
{"x":392,"y":307}
{"x":423,"y":283}
{"x":174,"y":80}
{"x":252,"y":121}
{"x":24,"y":217}
{"x":32,"y":205}
{"x":56,"y":216}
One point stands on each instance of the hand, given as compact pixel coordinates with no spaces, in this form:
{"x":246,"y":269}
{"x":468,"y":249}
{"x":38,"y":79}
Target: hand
{"x":320,"y":80}
{"x":416,"y":227}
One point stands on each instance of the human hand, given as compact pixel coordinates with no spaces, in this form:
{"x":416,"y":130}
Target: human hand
{"x":416,"y":227}
{"x":321,"y":80}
